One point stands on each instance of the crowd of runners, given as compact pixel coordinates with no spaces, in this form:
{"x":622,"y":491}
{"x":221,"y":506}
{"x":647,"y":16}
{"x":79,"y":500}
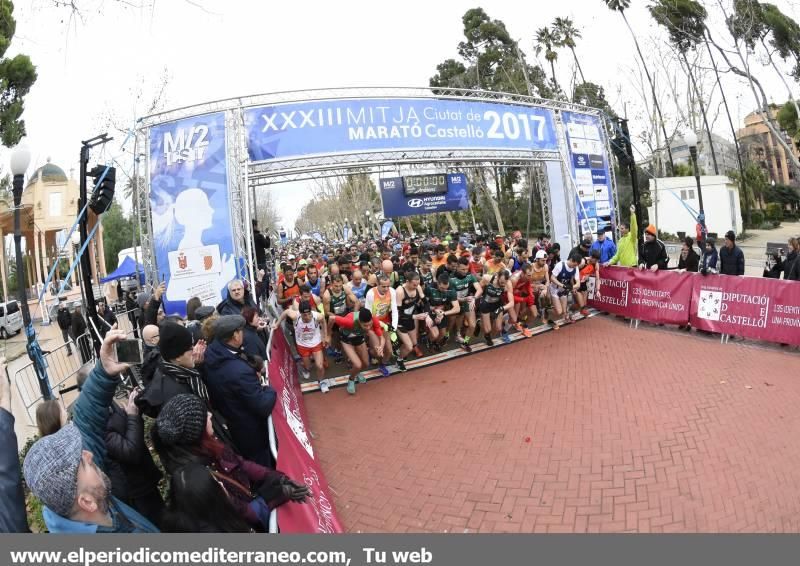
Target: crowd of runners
{"x":366,"y":303}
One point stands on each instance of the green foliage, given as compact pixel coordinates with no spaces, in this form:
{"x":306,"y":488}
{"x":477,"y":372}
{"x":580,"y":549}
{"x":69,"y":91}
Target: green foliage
{"x":782,"y":195}
{"x":787,"y":119}
{"x":667,"y":236}
{"x":682,"y":170}
{"x":618,"y":5}
{"x":591,"y":94}
{"x":756,"y":218}
{"x":118,"y":232}
{"x":492,"y":61}
{"x":546,"y":42}
{"x":767,"y":226}
{"x":684,"y":20}
{"x":17,"y":75}
{"x":755,"y":183}
{"x":774,"y":211}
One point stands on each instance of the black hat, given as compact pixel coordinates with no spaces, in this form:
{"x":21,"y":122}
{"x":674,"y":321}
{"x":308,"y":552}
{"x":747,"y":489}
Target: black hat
{"x":305,"y":306}
{"x":730,"y":235}
{"x":203,"y":312}
{"x":174,"y":340}
{"x":600,"y":231}
{"x":226,"y":325}
{"x":586,"y":243}
{"x":182,"y":420}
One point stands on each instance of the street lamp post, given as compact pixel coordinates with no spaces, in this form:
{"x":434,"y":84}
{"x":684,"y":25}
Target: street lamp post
{"x":20,"y":160}
{"x":691,"y":141}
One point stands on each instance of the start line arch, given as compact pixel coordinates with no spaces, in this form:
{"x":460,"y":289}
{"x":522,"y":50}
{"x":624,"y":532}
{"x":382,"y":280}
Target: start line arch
{"x":203,"y":165}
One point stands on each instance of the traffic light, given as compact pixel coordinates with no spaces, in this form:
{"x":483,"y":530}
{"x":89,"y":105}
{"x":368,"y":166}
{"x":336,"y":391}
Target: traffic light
{"x":103,"y":194}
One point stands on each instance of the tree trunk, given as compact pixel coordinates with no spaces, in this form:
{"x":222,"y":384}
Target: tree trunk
{"x":408,"y":226}
{"x":742,"y":186}
{"x":451,"y":221}
{"x":653,"y":90}
{"x":553,"y":72}
{"x":578,"y":64}
{"x":493,"y":203}
{"x":702,"y":111}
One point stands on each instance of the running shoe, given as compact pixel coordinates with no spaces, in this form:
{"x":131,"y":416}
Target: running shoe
{"x":324,"y":386}
{"x":361,"y":378}
{"x":351,"y":387}
{"x":304,"y":373}
{"x":464,"y":343}
{"x":417,"y":351}
{"x":384,"y":370}
{"x":524,"y":330}
{"x":585,"y":312}
{"x":506,"y":338}
{"x":401,"y":364}
{"x":489,"y":341}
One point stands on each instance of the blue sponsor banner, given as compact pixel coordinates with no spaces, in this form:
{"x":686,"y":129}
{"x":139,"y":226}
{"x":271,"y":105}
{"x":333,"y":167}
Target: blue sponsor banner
{"x":337,"y":126}
{"x":397,"y":203}
{"x":190,"y":210}
{"x":589,"y":170}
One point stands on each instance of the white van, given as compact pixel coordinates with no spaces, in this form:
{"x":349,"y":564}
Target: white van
{"x":10,"y":319}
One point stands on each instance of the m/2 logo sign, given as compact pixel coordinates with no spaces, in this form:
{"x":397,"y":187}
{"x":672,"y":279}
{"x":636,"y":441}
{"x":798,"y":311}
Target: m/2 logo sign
{"x":186,"y":147}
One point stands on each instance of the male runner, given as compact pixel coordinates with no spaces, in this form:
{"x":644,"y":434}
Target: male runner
{"x":353,"y":330}
{"x":409,"y":300}
{"x":468,"y":290}
{"x":492,"y":304}
{"x":310,"y":334}
{"x":443,"y":303}
{"x":382,"y":303}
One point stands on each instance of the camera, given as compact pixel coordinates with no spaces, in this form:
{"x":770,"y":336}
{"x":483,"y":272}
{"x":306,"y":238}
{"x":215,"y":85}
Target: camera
{"x":566,"y":290}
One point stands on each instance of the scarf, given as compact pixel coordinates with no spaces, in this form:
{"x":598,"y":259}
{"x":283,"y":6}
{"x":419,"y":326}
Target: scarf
{"x":190,"y":377}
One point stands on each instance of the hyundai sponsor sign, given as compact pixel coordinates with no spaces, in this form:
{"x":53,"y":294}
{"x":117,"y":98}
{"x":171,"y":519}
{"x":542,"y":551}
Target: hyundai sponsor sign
{"x":397,"y":201}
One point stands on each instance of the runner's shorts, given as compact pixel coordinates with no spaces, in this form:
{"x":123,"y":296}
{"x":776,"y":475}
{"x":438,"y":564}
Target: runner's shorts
{"x":307,"y":352}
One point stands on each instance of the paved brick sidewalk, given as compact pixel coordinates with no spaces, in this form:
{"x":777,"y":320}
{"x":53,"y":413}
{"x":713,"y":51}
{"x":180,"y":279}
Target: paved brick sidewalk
{"x":595,"y":428}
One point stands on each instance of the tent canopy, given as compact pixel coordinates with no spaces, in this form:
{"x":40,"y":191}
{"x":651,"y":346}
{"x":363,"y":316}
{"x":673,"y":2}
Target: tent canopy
{"x":126,"y":269}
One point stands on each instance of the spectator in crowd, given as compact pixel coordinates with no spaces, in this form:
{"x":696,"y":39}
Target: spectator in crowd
{"x":150,"y":353}
{"x":107,"y":318}
{"x":605,"y":246}
{"x":689,"y":260}
{"x":542,"y":242}
{"x":708,"y":261}
{"x":791,"y":266}
{"x":731,"y":257}
{"x":66,"y":470}
{"x":13,"y":516}
{"x":553,"y":255}
{"x":134,"y":476}
{"x":582,"y":249}
{"x":775,"y":267}
{"x":50,"y":417}
{"x":183,"y":435}
{"x":236,"y":391}
{"x":191,"y":308}
{"x":82,"y":343}
{"x":255,"y":343}
{"x":133,"y":313}
{"x":175,"y":372}
{"x":64,"y":319}
{"x":654,"y":253}
{"x":198,"y":503}
{"x":142,"y":302}
{"x":260,"y":244}
{"x":237,"y":299}
{"x":627,"y":249}
{"x":196,"y":326}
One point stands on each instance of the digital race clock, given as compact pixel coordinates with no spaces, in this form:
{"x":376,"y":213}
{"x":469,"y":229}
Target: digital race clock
{"x":416,"y":185}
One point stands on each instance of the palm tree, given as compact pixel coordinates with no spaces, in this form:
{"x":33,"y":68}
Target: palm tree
{"x":620,"y":6}
{"x":547,"y":41}
{"x":568,"y":33}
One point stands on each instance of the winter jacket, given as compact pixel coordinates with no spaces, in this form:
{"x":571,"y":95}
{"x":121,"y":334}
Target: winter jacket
{"x":152,"y":355}
{"x":254,"y":345}
{"x":654,"y":253}
{"x":78,"y":325}
{"x":237,"y":393}
{"x":229,"y":306}
{"x":691,"y":263}
{"x":260,"y":245}
{"x":13,"y":517}
{"x":90,"y":416}
{"x":169,"y":381}
{"x":791,"y":266}
{"x":731,"y":262}
{"x":130,"y":466}
{"x":627,"y":247}
{"x":607,"y":249}
{"x":64,"y":319}
{"x":708,"y":261}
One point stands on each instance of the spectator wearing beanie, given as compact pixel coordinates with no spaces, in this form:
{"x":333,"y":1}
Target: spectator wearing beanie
{"x":66,"y":470}
{"x":236,"y":391}
{"x":183,"y":436}
{"x":653,"y":255}
{"x":689,"y":260}
{"x":731,"y":257}
{"x":175,"y":374}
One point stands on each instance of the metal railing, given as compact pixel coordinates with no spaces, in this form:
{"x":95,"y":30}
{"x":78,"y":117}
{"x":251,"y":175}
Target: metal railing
{"x":62,"y":365}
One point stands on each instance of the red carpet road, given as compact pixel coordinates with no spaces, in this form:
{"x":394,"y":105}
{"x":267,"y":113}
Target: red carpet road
{"x":594,"y":428}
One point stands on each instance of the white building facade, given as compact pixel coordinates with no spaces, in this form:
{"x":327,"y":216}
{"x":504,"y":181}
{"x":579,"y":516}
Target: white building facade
{"x":674,"y":199}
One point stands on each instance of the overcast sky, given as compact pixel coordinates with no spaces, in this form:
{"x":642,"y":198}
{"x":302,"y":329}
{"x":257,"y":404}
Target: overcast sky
{"x":93,"y":66}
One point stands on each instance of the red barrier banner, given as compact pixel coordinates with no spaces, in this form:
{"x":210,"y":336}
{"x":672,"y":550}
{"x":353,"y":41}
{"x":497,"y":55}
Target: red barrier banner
{"x":764,"y":309}
{"x":660,"y":297}
{"x":296,"y":457}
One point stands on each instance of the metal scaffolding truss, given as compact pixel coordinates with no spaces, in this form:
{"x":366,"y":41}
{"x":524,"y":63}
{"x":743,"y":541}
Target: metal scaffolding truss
{"x":267,"y":173}
{"x":286,"y":97}
{"x":141,"y":204}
